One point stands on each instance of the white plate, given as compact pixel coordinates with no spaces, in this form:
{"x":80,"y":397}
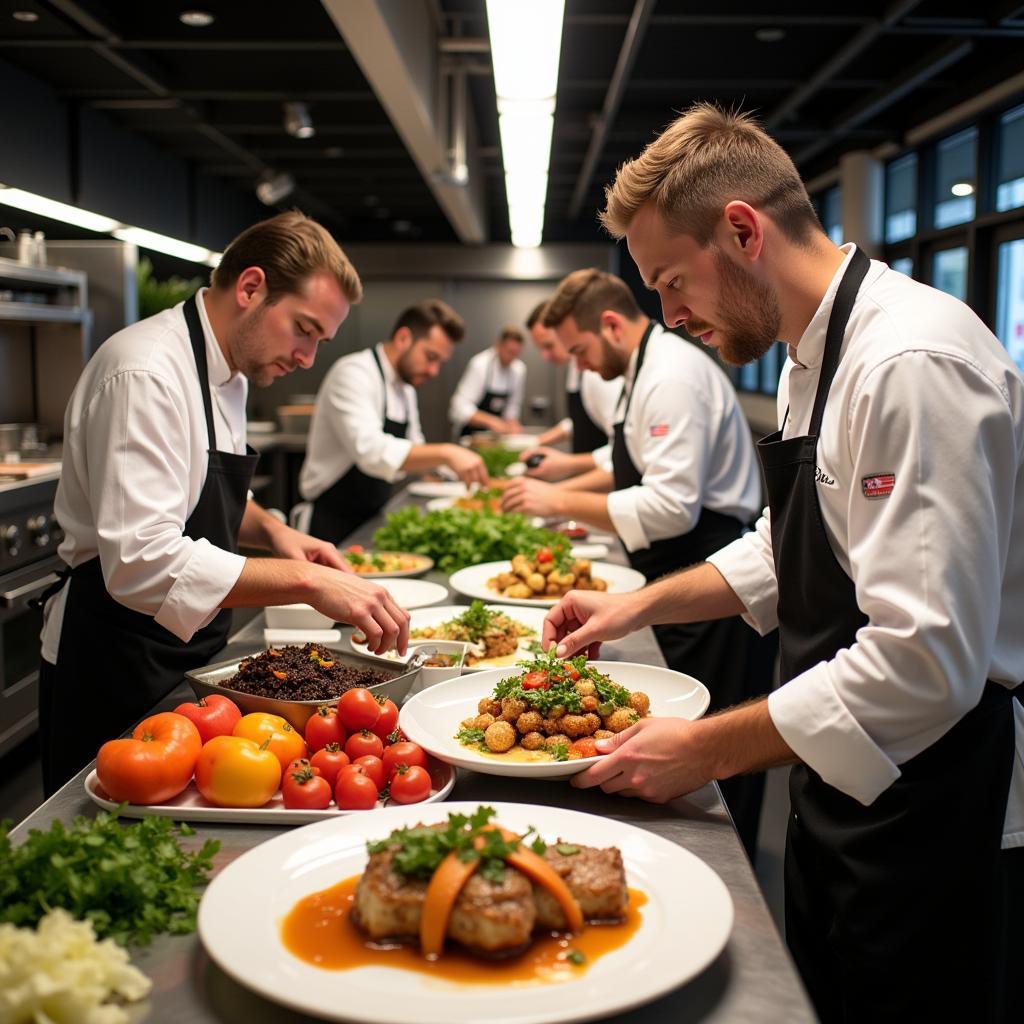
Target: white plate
{"x":413,"y":593}
{"x":588,"y":550}
{"x":684,"y":926}
{"x":432,"y":718}
{"x":437,"y":488}
{"x":190,"y":806}
{"x":424,"y":617}
{"x":281,"y":637}
{"x":472,"y":581}
{"x":426,"y":563}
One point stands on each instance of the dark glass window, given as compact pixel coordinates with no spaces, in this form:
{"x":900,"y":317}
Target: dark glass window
{"x":949,"y":271}
{"x":1010,"y":299}
{"x":1010,"y":176}
{"x":901,"y":198}
{"x":956,"y":160}
{"x":832,"y":214}
{"x":905,"y":265}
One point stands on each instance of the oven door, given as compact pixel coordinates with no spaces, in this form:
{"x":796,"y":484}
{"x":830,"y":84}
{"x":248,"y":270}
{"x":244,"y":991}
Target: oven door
{"x":20,"y":626}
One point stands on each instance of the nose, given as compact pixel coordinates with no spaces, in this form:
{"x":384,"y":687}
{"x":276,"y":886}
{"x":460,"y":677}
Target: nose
{"x":305,"y":357}
{"x":674,"y":315}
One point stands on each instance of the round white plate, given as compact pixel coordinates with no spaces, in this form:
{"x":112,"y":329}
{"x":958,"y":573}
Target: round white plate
{"x":423,"y":618}
{"x":472,"y":581}
{"x":684,"y":926}
{"x":413,"y":593}
{"x":426,"y":563}
{"x":432,"y":717}
{"x":437,"y":488}
{"x":589,"y":550}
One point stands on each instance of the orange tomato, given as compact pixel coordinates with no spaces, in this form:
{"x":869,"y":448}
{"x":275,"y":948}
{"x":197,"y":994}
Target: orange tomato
{"x":155,"y":765}
{"x":236,"y":772}
{"x":285,"y":743}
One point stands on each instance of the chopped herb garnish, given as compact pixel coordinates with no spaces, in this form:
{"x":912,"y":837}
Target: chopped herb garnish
{"x":560,"y":751}
{"x":470,"y":737}
{"x":567,"y":849}
{"x":574,"y":956}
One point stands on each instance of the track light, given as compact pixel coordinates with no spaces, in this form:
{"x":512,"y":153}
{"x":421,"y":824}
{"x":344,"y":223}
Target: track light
{"x":272,"y":187}
{"x":297,"y":122}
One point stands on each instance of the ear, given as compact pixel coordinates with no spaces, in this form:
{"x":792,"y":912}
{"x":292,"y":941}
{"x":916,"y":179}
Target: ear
{"x":402,"y":339}
{"x":613,"y":322}
{"x":250,"y":287}
{"x":743,"y":229}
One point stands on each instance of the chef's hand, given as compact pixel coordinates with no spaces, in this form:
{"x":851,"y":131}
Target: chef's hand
{"x":532,"y":497}
{"x":513,"y":427}
{"x":467,"y":464}
{"x":555,"y":466}
{"x":346,"y":597}
{"x":289,"y":543}
{"x":657,"y":759}
{"x":583,"y":618}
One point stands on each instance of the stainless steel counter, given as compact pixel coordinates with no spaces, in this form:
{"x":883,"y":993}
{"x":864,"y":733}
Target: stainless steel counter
{"x":753,"y":980}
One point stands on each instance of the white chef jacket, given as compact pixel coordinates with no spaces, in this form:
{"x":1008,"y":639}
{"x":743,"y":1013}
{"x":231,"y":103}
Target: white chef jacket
{"x":686,"y":434}
{"x":135,"y":458}
{"x":926,"y":395}
{"x":600,"y":397}
{"x":347,"y":428}
{"x":484,"y":372}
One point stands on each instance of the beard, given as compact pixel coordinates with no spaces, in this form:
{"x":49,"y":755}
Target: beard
{"x":613,"y":362}
{"x":405,"y":370}
{"x":247,"y":350}
{"x":748,"y":315}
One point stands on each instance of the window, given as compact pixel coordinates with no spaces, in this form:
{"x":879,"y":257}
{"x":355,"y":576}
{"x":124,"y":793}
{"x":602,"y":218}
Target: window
{"x":750,"y":376}
{"x":955,"y":178}
{"x":1010,"y":299}
{"x":832,"y":214}
{"x":901,"y":198}
{"x":905,"y":265}
{"x":949,"y":271}
{"x":1010,"y":164}
{"x":771,"y":367}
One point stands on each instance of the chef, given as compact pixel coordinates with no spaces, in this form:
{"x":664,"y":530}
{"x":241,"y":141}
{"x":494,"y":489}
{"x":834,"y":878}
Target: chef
{"x":154,"y":493}
{"x":683,"y":483}
{"x":891,"y":558}
{"x":489,"y":395}
{"x":365,"y":430}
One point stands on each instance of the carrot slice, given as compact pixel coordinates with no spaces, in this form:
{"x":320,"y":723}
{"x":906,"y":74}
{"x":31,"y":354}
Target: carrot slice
{"x":540,"y":871}
{"x":442,"y":892}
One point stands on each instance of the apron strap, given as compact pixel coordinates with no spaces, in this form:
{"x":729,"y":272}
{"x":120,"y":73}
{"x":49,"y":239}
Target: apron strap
{"x":639,"y":362}
{"x":384,"y":381}
{"x":198,"y":340}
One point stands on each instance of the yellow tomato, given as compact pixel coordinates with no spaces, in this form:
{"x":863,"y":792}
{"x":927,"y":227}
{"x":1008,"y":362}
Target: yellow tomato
{"x":284,"y":742}
{"x":235,"y":772}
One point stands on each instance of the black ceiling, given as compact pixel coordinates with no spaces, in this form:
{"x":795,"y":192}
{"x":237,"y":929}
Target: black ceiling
{"x":855,"y":77}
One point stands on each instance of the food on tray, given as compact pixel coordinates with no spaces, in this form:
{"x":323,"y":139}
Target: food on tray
{"x":309,"y":672}
{"x":545,"y":575}
{"x":367,"y":563}
{"x":552,"y":710}
{"x":497,"y":457}
{"x":493,"y":634}
{"x":485,"y":499}
{"x":443,"y":661}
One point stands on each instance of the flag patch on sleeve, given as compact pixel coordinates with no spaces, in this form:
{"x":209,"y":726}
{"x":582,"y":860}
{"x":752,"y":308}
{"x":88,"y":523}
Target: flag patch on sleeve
{"x":659,"y":430}
{"x":879,"y":485}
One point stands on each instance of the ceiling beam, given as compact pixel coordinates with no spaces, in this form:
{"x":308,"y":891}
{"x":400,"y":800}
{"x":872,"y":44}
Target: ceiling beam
{"x":227,"y":95}
{"x":190,"y":45}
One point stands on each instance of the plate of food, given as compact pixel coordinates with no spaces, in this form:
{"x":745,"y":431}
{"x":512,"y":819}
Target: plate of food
{"x":437,"y":488}
{"x":542,"y":579}
{"x":542,"y":720}
{"x":496,"y":637}
{"x":543,"y":878}
{"x":390,"y":564}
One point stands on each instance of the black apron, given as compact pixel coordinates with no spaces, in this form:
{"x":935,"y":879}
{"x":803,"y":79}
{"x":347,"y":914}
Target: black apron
{"x":115,"y":664}
{"x":493,"y":401}
{"x":586,"y":434}
{"x":892,"y":910}
{"x":726,"y":655}
{"x":356,"y":497}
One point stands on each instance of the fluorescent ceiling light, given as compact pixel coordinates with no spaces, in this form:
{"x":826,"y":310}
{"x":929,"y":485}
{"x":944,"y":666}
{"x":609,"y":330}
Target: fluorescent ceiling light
{"x":297,"y":121}
{"x":162,"y":243}
{"x":526,"y":224}
{"x":50,"y":208}
{"x":526,"y":189}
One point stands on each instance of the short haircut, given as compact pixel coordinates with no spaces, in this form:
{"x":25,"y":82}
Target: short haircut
{"x":422,"y":316}
{"x":289,"y":249}
{"x":707,"y":158}
{"x":585,"y":295}
{"x":511,"y":333}
{"x":535,"y":314}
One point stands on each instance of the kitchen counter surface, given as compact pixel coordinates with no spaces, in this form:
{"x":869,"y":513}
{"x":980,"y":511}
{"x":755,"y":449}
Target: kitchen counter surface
{"x":753,"y":980}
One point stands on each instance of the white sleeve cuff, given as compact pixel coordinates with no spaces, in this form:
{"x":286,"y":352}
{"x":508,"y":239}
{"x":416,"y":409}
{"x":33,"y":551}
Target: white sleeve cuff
{"x":391,"y":458}
{"x":625,"y":517}
{"x":748,"y":573}
{"x":565,"y":426}
{"x":603,"y":458}
{"x":197,"y":591}
{"x":824,"y":734}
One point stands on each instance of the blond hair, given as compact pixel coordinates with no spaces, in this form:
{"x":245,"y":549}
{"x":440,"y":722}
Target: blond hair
{"x":705,"y":159}
{"x":585,"y":295}
{"x":288,"y":248}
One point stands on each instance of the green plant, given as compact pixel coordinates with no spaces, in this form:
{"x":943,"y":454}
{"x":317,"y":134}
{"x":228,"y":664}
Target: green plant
{"x":155,"y":295}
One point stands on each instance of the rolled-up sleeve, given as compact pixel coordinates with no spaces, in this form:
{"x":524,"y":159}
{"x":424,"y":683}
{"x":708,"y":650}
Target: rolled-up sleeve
{"x":603,"y":458}
{"x":748,"y":566}
{"x":468,"y":394}
{"x":517,"y":391}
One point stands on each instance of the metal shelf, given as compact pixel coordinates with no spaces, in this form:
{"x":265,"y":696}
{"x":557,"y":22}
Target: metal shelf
{"x":37,"y":312}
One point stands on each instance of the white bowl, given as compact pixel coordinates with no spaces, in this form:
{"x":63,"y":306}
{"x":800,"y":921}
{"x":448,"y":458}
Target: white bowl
{"x":296,"y":616}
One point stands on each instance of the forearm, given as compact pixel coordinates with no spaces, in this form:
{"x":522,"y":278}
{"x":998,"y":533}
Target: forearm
{"x":555,"y":435}
{"x":697,"y":594}
{"x":258,"y":527}
{"x":742,"y":740}
{"x":586,"y":506}
{"x":270,"y":581}
{"x":590,"y":478}
{"x":485,"y":421}
{"x":427,"y":456}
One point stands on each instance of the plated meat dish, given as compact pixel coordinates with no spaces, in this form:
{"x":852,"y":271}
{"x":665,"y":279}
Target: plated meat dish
{"x":493,"y":634}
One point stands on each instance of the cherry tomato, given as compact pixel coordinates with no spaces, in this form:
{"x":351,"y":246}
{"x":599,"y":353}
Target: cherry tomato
{"x":356,"y":549}
{"x":285,"y":743}
{"x":354,"y":790}
{"x":357,"y":709}
{"x":300,"y":764}
{"x":585,"y":747}
{"x":155,"y":765}
{"x":329,"y":761}
{"x":303,"y":790}
{"x":406,"y":753}
{"x":536,"y":681}
{"x":362,"y":743}
{"x":572,"y":672}
{"x":374,"y":767}
{"x":324,"y":726}
{"x":385,"y":725}
{"x":235,"y":772}
{"x":212,"y":716}
{"x":544,"y":555}
{"x":410,"y":785}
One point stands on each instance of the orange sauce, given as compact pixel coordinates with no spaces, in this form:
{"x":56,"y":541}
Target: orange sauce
{"x":319,"y":931}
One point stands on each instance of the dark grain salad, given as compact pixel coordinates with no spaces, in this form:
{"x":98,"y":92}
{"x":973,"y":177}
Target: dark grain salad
{"x":309,"y":672}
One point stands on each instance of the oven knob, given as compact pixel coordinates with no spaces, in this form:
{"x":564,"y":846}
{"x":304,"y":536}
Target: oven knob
{"x":38,"y":532}
{"x":11,"y":537}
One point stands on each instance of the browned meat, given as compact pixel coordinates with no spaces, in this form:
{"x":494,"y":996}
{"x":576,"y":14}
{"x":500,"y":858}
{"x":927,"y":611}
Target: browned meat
{"x":494,"y":917}
{"x":388,"y":905}
{"x":595,"y":877}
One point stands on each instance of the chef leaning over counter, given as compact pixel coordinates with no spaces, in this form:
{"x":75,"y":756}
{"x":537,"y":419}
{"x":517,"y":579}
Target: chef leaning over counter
{"x":891,"y":557}
{"x":154,"y":493}
{"x":489,"y":395}
{"x":366,"y":423}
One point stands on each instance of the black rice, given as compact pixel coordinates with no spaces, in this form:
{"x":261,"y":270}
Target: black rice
{"x":310,"y":672}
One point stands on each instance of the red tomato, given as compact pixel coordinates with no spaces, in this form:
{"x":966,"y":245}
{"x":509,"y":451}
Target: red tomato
{"x":212,"y":716}
{"x":410,"y":785}
{"x":401,"y":753}
{"x":300,"y":764}
{"x":572,"y":672}
{"x":385,"y":725}
{"x":374,"y":767}
{"x":357,"y":709}
{"x":155,"y":765}
{"x":536,"y":681}
{"x":544,"y":555}
{"x":323,"y":727}
{"x":585,"y":747}
{"x":362,"y":743}
{"x":303,"y":790}
{"x":356,"y":549}
{"x":329,"y":760}
{"x":355,"y":790}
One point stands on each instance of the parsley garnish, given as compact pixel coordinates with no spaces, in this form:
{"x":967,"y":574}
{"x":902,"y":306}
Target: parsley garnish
{"x":470,"y":737}
{"x":574,"y":956}
{"x":560,"y":752}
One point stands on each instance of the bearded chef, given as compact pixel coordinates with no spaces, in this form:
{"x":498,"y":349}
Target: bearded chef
{"x":489,"y":395}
